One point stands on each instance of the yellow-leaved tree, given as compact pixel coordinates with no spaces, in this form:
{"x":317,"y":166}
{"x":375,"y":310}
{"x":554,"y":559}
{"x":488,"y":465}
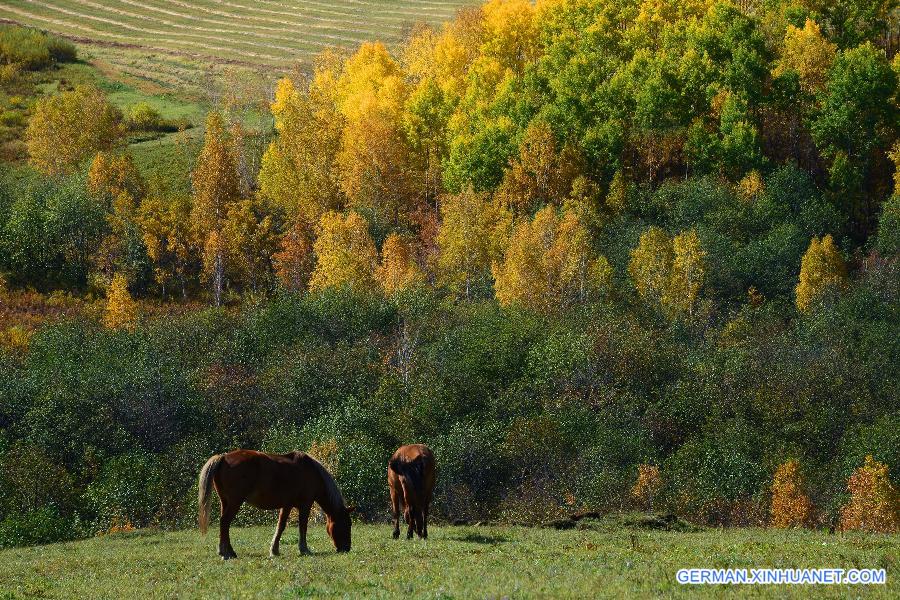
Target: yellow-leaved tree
{"x":345,"y":253}
{"x":549,"y":264}
{"x":472,"y":233}
{"x":821,"y":269}
{"x":299,"y":173}
{"x":216,"y":186}
{"x":250,"y":241}
{"x":648,"y":484}
{"x":651,"y":264}
{"x":375,"y":158}
{"x":121,"y":309}
{"x":294,"y":260}
{"x":874,"y":501}
{"x":807,"y":53}
{"x":165,"y":224}
{"x":67,"y":128}
{"x":113,"y":174}
{"x":688,"y":271}
{"x":791,"y":506}
{"x":398,"y":269}
{"x":669,"y":271}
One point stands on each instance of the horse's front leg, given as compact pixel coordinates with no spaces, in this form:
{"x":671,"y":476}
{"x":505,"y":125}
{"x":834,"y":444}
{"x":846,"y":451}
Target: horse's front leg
{"x":303,"y":525}
{"x":283,"y":515}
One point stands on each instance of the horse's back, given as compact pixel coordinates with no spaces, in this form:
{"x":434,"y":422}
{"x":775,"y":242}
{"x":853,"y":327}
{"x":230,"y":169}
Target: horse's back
{"x":415,"y":461}
{"x":265,"y":480}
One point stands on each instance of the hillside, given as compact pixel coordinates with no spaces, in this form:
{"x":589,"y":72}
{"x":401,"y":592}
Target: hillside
{"x":269,"y":32}
{"x":510,"y":562}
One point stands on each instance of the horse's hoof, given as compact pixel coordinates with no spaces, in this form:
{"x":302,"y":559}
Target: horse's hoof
{"x":395,"y":535}
{"x":274,"y":553}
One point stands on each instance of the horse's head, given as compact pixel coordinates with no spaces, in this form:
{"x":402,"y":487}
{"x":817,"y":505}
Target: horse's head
{"x":339,"y":529}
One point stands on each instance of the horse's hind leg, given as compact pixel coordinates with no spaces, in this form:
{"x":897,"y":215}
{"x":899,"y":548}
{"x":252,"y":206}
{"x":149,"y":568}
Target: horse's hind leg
{"x":229,"y":511}
{"x":395,"y":509}
{"x":279,"y":529}
{"x":410,"y":521}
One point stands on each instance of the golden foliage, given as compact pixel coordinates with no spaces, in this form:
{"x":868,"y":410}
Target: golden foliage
{"x":114,"y":174}
{"x":751,"y":186}
{"x":807,"y":53}
{"x":822,"y":268}
{"x":166,"y":233}
{"x":549,"y":263}
{"x":121,"y":309}
{"x":540,"y":175}
{"x":298,"y":172}
{"x":250,"y":240}
{"x":472,"y":232}
{"x":667,"y":271}
{"x":294,"y":260}
{"x":688,"y":271}
{"x":791,"y":506}
{"x":215,"y":178}
{"x":651,"y":264}
{"x":648,"y":484}
{"x":398,"y":270}
{"x":874,"y":501}
{"x":67,"y":128}
{"x":345,"y":253}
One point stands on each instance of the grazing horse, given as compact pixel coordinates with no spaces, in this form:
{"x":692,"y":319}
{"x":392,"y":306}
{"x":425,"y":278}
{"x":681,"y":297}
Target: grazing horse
{"x":411,"y":474}
{"x":270,"y":481}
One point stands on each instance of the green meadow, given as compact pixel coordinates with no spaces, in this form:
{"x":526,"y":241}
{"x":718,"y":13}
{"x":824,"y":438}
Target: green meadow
{"x":455,"y":562}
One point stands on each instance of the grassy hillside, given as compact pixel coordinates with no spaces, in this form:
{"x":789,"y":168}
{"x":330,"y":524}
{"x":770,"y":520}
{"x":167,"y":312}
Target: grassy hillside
{"x":272,"y":32}
{"x":456,"y":562}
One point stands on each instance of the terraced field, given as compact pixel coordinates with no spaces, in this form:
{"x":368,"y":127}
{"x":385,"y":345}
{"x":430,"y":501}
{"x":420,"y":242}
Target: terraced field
{"x":278,"y":33}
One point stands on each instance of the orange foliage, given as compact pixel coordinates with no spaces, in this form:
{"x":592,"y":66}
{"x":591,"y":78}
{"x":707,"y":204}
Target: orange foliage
{"x":874,"y":501}
{"x":791,"y":507}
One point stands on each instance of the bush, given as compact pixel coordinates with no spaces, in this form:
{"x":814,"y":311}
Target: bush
{"x":127,"y":491}
{"x":144,"y":117}
{"x":32,"y":49}
{"x":42,"y":526}
{"x":874,"y":501}
{"x":790,"y":504}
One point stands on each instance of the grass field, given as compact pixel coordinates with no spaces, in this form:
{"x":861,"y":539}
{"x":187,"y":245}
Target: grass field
{"x":269,"y":32}
{"x":456,"y":562}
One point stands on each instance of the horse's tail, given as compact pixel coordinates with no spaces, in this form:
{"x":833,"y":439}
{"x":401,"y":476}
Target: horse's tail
{"x":204,"y":487}
{"x":413,"y":470}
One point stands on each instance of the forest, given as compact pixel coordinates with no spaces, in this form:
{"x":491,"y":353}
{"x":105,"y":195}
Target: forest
{"x":598,"y":254}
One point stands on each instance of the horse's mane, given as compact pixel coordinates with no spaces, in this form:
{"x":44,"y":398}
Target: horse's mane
{"x":331,"y":488}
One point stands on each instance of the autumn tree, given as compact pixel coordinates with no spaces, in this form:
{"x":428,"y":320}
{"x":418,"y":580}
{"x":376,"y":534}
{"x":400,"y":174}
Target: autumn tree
{"x":299,"y":173}
{"x":874,"y":501}
{"x":650,"y":267}
{"x":472,"y":233}
{"x":113,"y":174}
{"x":345,"y":253}
{"x":791,"y":506}
{"x":165,"y":223}
{"x":250,"y":239}
{"x":807,"y":53}
{"x":121,"y":250}
{"x":688,"y":271}
{"x":540,"y":174}
{"x":398,"y":269}
{"x":121,"y":309}
{"x":669,"y":271}
{"x":821,"y":269}
{"x":67,"y":128}
{"x":294,"y":260}
{"x":549,"y":263}
{"x":216,"y":187}
{"x":375,"y":158}
{"x":648,"y":484}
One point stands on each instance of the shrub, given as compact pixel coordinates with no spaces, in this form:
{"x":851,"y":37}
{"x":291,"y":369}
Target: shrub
{"x":874,"y":501}
{"x":33,"y":49}
{"x":647,"y":485}
{"x":144,"y":117}
{"x":42,"y":526}
{"x":127,"y":491}
{"x":791,"y":507}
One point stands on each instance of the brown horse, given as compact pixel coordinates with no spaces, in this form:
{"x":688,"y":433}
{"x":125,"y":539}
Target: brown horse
{"x":411,"y":475}
{"x":270,"y":481}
